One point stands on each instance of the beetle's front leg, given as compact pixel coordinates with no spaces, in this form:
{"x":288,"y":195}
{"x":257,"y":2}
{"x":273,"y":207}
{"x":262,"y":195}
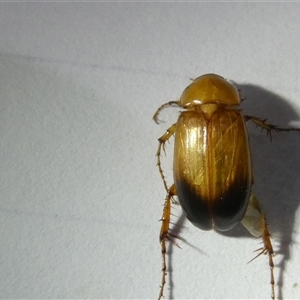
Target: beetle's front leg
{"x":161,"y":144}
{"x":269,"y":127}
{"x":165,"y":235}
{"x":255,"y":223}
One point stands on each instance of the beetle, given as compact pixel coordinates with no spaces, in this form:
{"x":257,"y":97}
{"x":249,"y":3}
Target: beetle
{"x":212,"y":165}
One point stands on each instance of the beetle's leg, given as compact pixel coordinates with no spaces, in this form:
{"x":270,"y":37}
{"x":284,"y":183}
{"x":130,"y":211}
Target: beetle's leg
{"x":255,"y":223}
{"x":165,"y":235}
{"x":170,"y":103}
{"x":161,"y":145}
{"x":269,"y":127}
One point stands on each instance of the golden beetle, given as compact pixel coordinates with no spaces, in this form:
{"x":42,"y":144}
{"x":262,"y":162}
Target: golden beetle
{"x":212,"y":164}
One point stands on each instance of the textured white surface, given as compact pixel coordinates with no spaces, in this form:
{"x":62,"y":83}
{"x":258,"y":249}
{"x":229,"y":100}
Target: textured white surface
{"x":80,"y":192}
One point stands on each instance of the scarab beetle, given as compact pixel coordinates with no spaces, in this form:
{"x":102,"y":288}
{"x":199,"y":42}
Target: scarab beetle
{"x":212,"y":164}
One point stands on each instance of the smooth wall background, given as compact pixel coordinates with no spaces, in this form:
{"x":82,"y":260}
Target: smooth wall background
{"x":81,"y":195}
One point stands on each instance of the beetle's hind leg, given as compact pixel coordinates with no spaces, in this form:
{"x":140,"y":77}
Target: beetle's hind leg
{"x":165,"y":235}
{"x":255,"y":223}
{"x":267,"y":126}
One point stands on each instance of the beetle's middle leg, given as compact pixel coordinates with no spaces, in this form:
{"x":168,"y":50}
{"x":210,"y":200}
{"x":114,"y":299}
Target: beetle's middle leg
{"x":164,"y":235}
{"x":255,"y":223}
{"x":267,"y":126}
{"x":162,"y":140}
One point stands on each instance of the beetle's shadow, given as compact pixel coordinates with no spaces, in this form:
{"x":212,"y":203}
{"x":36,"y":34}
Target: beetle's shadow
{"x":276,"y":167}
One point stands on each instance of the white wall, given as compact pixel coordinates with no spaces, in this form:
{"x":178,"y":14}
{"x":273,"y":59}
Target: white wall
{"x":80,"y":192}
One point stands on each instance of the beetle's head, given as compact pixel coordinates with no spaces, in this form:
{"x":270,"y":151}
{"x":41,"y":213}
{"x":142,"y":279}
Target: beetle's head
{"x":210,"y":88}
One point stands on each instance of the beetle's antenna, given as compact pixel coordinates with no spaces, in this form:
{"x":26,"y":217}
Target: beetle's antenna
{"x":170,"y":103}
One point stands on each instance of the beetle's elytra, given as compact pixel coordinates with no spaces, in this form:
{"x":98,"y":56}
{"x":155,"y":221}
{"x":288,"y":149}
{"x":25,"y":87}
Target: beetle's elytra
{"x":212,"y":164}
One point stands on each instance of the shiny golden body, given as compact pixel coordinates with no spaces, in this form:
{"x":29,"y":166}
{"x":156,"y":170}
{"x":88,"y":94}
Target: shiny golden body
{"x":212,"y":164}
